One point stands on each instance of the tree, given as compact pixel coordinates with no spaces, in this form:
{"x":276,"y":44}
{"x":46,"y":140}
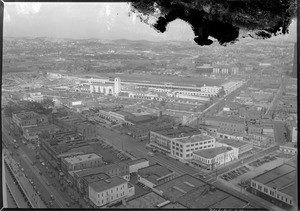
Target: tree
{"x":47,"y":103}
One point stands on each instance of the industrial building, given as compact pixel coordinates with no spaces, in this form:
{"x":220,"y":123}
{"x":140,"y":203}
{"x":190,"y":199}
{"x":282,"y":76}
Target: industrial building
{"x":233,"y":124}
{"x":277,"y":186}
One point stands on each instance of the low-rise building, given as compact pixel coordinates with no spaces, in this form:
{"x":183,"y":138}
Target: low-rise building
{"x":292,"y":130}
{"x":81,"y":162}
{"x":240,"y":147}
{"x":289,"y":148}
{"x":110,"y":191}
{"x":213,"y":158}
{"x":232,"y":124}
{"x":154,"y":175}
{"x":135,"y":165}
{"x":178,"y":186}
{"x":149,"y":200}
{"x":261,"y":139}
{"x":255,"y":128}
{"x":32,"y":133}
{"x":277,"y":186}
{"x":25,"y":119}
{"x":230,"y":135}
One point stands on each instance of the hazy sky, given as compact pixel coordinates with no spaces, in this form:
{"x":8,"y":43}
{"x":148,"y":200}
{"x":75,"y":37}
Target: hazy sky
{"x":90,"y":20}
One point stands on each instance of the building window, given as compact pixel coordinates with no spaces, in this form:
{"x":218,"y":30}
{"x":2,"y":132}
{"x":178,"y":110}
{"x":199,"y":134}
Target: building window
{"x":265,"y":190}
{"x":259,"y":187}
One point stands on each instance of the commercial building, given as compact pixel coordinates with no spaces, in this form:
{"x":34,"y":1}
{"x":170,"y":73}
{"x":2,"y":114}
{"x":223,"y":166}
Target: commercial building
{"x":208,"y":196}
{"x":32,"y":133}
{"x":230,"y":135}
{"x":277,"y":186}
{"x":213,"y":158}
{"x":178,"y":186}
{"x":116,"y":116}
{"x":232,"y":124}
{"x":81,"y":162}
{"x":110,"y":191}
{"x":25,"y":119}
{"x":289,"y":148}
{"x":255,"y":128}
{"x":149,"y":200}
{"x":261,"y":139}
{"x":240,"y":147}
{"x":135,"y":165}
{"x":180,"y":141}
{"x":154,"y":175}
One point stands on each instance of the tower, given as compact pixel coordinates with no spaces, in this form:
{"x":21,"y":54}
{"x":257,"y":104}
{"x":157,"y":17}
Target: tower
{"x":117,"y":86}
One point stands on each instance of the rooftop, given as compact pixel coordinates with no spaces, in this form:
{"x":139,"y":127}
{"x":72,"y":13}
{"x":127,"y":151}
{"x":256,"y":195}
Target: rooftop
{"x":233,"y":142}
{"x":229,"y":202}
{"x":96,"y":177}
{"x":133,"y":162}
{"x":142,"y":118}
{"x":177,"y":187}
{"x":195,"y":138}
{"x":82,"y":158}
{"x":124,"y":113}
{"x":97,"y":170}
{"x":26,"y":115}
{"x":213,"y":152}
{"x":290,"y":144}
{"x":177,"y":132}
{"x":154,"y":172}
{"x":226,"y":119}
{"x":174,"y":206}
{"x":149,"y":200}
{"x":203,"y":197}
{"x":280,"y":178}
{"x":232,"y":133}
{"x":103,"y":185}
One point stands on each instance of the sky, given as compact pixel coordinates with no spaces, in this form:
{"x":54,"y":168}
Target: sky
{"x":90,"y":20}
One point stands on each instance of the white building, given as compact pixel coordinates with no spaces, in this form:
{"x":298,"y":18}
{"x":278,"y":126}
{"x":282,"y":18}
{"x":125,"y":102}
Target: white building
{"x":230,"y":86}
{"x":117,"y":86}
{"x":110,"y":191}
{"x":36,"y":97}
{"x":239,"y":147}
{"x":212,"y":158}
{"x":180,"y":142}
{"x":289,"y":148}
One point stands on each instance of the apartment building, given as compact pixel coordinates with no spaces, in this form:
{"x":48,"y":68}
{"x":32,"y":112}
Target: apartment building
{"x":110,"y":191}
{"x":212,"y":158}
{"x":180,"y":142}
{"x":81,"y":162}
{"x":261,"y":139}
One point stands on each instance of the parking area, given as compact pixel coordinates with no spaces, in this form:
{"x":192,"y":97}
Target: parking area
{"x":261,"y":161}
{"x":235,"y":173}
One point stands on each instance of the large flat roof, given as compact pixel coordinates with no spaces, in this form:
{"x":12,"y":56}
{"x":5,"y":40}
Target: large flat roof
{"x":274,"y":174}
{"x":229,"y":202}
{"x":26,"y":115}
{"x":149,"y":200}
{"x":177,"y":187}
{"x":177,"y":132}
{"x":97,"y":170}
{"x":154,"y":172}
{"x":81,"y":158}
{"x":226,"y":119}
{"x":96,"y":177}
{"x":195,"y":138}
{"x":213,"y":152}
{"x":136,"y":161}
{"x":233,"y":142}
{"x":103,"y":185}
{"x":202,"y":197}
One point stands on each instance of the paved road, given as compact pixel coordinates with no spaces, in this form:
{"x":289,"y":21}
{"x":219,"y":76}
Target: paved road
{"x":14,"y":190}
{"x":138,"y":150}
